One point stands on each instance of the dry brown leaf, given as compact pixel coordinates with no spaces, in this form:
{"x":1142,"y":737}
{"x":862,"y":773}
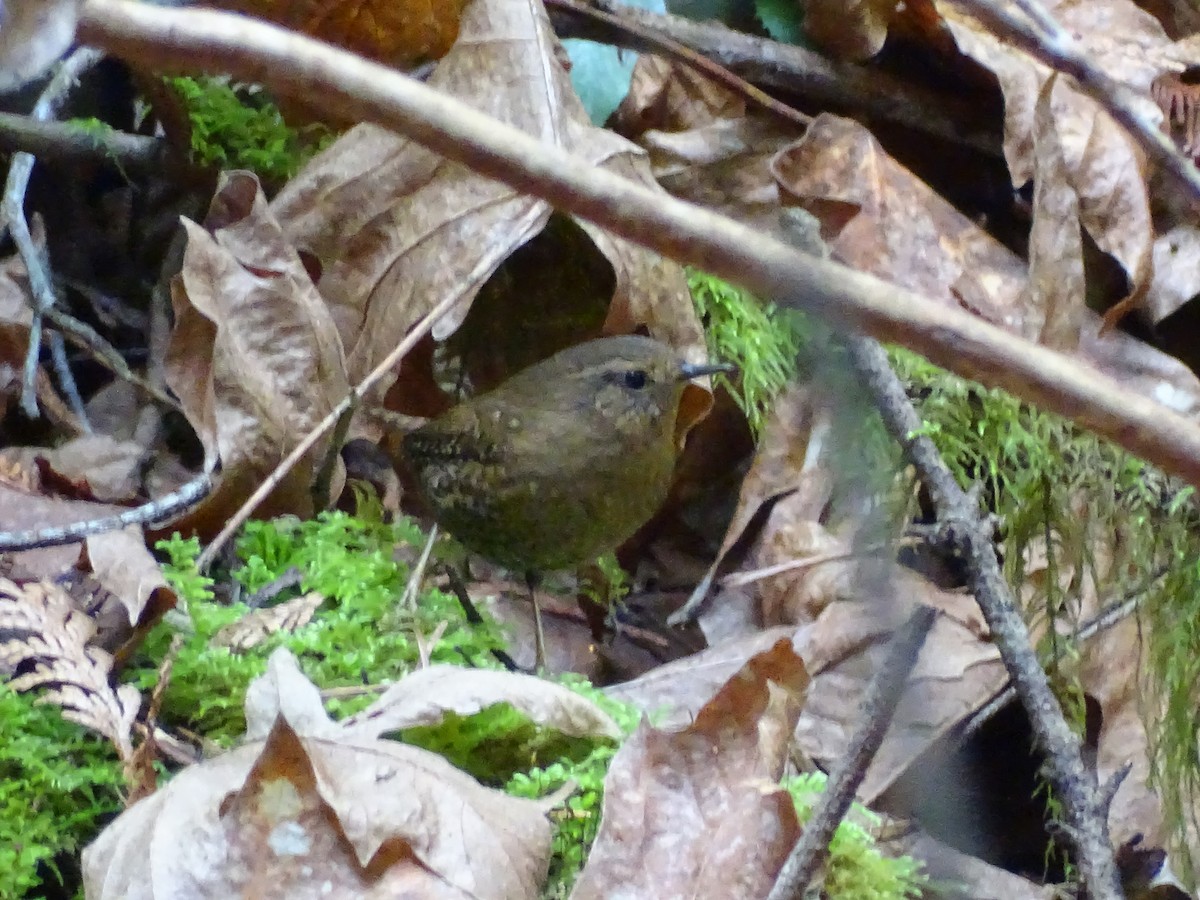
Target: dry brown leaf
{"x":878,"y":217}
{"x":801,"y":593}
{"x":959,"y":669}
{"x":787,"y":462}
{"x":425,"y":696}
{"x":259,"y":624}
{"x":1104,"y":165}
{"x":676,"y":692}
{"x":665,"y":95}
{"x":52,"y":635}
{"x":851,"y":30}
{"x":311,"y":812}
{"x":847,"y":617}
{"x":1056,"y":289}
{"x":703,"y":144}
{"x":254,"y":357}
{"x":699,"y":812}
{"x":397,"y":229}
{"x":22,"y":509}
{"x":400,"y":34}
{"x":570,"y":644}
{"x":1112,"y":668}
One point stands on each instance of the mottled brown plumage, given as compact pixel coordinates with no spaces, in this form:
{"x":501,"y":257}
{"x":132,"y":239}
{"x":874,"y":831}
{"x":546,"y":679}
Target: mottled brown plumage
{"x":562,"y":462}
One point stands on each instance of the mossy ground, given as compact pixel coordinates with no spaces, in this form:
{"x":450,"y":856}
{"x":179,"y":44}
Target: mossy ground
{"x":1046,"y":480}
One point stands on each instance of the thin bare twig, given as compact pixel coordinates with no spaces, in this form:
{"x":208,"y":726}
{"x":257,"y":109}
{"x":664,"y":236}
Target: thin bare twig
{"x":662,"y":45}
{"x":408,"y":600}
{"x":87,"y":339}
{"x":12,"y":211}
{"x":1106,"y":618}
{"x":878,"y":708}
{"x":154,"y":511}
{"x":66,"y":381}
{"x":70,"y":143}
{"x":359,"y":391}
{"x":292,"y":65}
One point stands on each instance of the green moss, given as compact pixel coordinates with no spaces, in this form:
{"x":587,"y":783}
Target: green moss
{"x":857,"y":869}
{"x":1104,"y":518}
{"x":577,"y":818}
{"x":350,"y":560}
{"x":1091,"y":513}
{"x":759,"y":339}
{"x":58,"y":786}
{"x":238,"y":127}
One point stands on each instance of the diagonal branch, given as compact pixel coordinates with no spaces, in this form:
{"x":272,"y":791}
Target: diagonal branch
{"x":292,"y":65}
{"x":970,"y":535}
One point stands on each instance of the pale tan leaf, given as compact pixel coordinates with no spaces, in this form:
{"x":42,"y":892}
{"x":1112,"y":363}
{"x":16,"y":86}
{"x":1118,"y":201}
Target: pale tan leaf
{"x":1056,"y":278}
{"x":254,"y":357}
{"x":298,"y":815}
{"x":25,"y":507}
{"x":971,"y":876}
{"x":259,"y":624}
{"x":1176,"y":271}
{"x":284,"y":691}
{"x":122,"y":564}
{"x":53,"y":635}
{"x":110,"y":468}
{"x":33,"y":35}
{"x":425,"y":696}
{"x":1141,"y":367}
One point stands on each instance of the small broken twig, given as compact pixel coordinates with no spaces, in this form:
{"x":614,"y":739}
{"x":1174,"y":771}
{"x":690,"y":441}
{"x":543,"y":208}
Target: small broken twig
{"x":878,"y":706}
{"x":154,"y":511}
{"x":12,"y":211}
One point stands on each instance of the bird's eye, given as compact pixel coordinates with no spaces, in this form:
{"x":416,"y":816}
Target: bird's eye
{"x":635,"y":379}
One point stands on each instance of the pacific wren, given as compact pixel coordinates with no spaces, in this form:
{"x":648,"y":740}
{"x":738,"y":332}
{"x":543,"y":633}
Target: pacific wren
{"x":563,"y":461}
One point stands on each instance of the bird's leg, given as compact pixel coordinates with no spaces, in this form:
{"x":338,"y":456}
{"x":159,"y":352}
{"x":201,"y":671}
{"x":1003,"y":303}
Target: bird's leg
{"x":539,"y":635}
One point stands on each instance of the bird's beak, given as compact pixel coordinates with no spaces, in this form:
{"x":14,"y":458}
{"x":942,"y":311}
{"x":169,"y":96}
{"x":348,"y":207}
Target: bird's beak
{"x":688,"y":371}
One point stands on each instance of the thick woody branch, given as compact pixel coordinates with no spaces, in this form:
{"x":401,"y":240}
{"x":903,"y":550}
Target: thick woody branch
{"x":793,"y":70}
{"x":294,"y":66}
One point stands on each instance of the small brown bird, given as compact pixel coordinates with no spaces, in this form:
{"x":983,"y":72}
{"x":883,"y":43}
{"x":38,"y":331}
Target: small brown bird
{"x":563,"y":461}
